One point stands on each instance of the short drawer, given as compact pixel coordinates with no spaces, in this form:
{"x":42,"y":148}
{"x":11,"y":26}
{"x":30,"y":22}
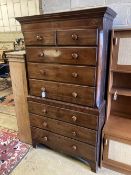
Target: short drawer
{"x":66,"y":55}
{"x":76,"y":132}
{"x":84,"y":75}
{"x":70,"y":116}
{"x":77,"y":37}
{"x":76,"y":94}
{"x":40,"y":38}
{"x":64,"y":144}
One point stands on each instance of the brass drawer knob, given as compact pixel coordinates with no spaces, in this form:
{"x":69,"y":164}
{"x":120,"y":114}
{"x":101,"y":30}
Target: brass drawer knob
{"x":43,"y":72}
{"x":74,"y":36}
{"x":74,"y":94}
{"x":74,"y":118}
{"x":41,"y":54}
{"x":43,"y":89}
{"x":74,"y":74}
{"x":74,"y":133}
{"x":45,"y":124}
{"x":74,"y":148}
{"x":44,"y":111}
{"x":45,"y":139}
{"x":75,"y":55}
{"x":39,"y":38}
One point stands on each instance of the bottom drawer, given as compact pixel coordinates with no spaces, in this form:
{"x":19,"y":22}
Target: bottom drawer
{"x":64,"y":144}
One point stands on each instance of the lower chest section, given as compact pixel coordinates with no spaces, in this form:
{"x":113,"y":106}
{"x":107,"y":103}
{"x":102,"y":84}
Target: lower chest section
{"x":70,"y":131}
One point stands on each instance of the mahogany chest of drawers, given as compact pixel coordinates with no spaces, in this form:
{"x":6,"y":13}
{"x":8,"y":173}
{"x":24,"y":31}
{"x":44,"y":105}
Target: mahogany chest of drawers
{"x":66,"y":71}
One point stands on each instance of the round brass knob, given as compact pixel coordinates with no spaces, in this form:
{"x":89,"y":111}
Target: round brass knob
{"x":74,"y":133}
{"x":75,"y":55}
{"x":74,"y":148}
{"x":43,"y":89}
{"x":41,"y":54}
{"x":74,"y":94}
{"x":74,"y":118}
{"x":44,"y":111}
{"x":45,"y":124}
{"x":74,"y":36}
{"x":74,"y":74}
{"x":45,"y":138}
{"x":39,"y":38}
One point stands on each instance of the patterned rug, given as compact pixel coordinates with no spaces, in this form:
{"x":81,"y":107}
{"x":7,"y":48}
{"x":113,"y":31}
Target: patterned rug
{"x":7,"y":100}
{"x":5,"y":83}
{"x":12,"y":151}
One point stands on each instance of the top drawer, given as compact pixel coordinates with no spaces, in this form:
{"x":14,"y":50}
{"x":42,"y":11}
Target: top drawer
{"x":40,"y":38}
{"x":77,"y":37}
{"x":62,"y":37}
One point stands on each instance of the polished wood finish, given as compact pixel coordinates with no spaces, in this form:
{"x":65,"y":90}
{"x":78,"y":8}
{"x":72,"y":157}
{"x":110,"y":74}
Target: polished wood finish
{"x":76,"y":94}
{"x":77,"y":37}
{"x":70,"y":74}
{"x":70,"y":106}
{"x":121,"y":91}
{"x":119,"y":127}
{"x":66,"y":55}
{"x":71,"y":116}
{"x":64,"y":144}
{"x":19,"y":85}
{"x":118,"y":124}
{"x":66,"y":77}
{"x":121,"y":106}
{"x":99,"y":13}
{"x":39,"y":38}
{"x":121,"y":80}
{"x":76,"y":132}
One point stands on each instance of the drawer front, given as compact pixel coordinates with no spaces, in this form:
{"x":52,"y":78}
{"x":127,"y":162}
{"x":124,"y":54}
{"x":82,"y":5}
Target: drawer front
{"x":63,"y":73}
{"x":76,"y":94}
{"x":40,"y":38}
{"x":78,"y":56}
{"x":77,"y":37}
{"x":65,"y":129}
{"x":64,"y":144}
{"x":70,"y":116}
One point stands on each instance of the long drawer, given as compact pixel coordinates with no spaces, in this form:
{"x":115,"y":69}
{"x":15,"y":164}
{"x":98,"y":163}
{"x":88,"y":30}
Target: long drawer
{"x":83,"y":75}
{"x":77,"y":37}
{"x":76,"y":94}
{"x":63,"y":114}
{"x":64,"y":144}
{"x":76,"y":132}
{"x":66,"y":55}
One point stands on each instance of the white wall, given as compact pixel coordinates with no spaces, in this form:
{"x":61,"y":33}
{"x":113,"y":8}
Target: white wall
{"x":9,"y":9}
{"x":122,"y":7}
